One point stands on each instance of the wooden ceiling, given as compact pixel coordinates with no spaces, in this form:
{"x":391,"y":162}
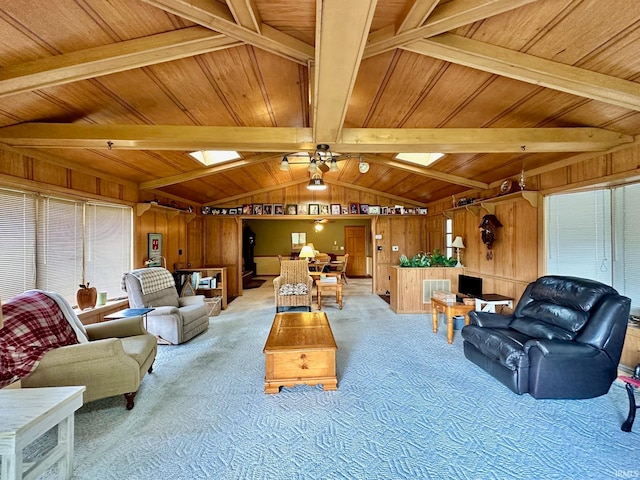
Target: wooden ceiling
{"x":126,"y":88}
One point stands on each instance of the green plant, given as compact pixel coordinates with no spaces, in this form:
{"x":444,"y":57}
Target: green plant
{"x":421,"y":259}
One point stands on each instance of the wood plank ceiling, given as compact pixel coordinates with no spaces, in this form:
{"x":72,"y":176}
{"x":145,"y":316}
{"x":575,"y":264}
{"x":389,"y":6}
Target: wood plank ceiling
{"x":127,"y":88}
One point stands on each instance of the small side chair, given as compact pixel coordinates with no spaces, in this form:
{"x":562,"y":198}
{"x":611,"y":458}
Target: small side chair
{"x":294,"y":286}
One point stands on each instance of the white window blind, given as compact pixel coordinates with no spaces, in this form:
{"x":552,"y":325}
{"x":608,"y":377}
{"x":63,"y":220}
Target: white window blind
{"x":627,"y":243}
{"x":579,"y":235}
{"x":17,"y":242}
{"x":108,"y":240}
{"x":59,"y":246}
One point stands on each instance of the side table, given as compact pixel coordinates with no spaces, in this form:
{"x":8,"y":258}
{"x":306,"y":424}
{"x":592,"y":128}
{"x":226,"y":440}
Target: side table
{"x":450,"y":310}
{"x":330,"y":287}
{"x":27,"y":414}
{"x":130,"y":312}
{"x":488,"y":302}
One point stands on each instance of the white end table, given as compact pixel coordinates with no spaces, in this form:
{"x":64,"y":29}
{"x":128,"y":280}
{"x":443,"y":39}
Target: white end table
{"x":488,"y":302}
{"x":28,"y":413}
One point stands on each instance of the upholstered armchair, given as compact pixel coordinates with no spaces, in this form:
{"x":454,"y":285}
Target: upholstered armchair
{"x":563,"y":340}
{"x":44,"y":344}
{"x":293,"y":287}
{"x":173,"y":319}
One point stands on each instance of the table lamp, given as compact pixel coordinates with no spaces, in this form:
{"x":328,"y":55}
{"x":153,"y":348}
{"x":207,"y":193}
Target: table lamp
{"x":458,"y":244}
{"x":307,"y":252}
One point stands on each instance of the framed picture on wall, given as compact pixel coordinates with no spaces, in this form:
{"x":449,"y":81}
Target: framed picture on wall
{"x":345,"y":210}
{"x":257,"y":209}
{"x":314,"y":209}
{"x":354,"y":208}
{"x":247,"y":209}
{"x":302,"y":209}
{"x":155,"y":250}
{"x":364,"y":209}
{"x":374,"y":209}
{"x":278,"y":209}
{"x":267,"y":209}
{"x":335,"y":209}
{"x":324,"y":209}
{"x":384,"y":210}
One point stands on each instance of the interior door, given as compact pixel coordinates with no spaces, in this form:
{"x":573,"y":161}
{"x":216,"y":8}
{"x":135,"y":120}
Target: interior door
{"x":355,"y":241}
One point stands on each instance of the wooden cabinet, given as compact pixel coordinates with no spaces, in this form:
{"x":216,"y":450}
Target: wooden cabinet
{"x":631,"y":350}
{"x":220,"y":273}
{"x":407,"y":286}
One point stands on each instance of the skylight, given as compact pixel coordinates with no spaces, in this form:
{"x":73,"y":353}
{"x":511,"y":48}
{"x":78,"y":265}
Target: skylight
{"x":423,"y":159}
{"x":212,"y":157}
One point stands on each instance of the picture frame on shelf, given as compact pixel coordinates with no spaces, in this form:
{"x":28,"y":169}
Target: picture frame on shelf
{"x":233,"y":211}
{"x":354,"y":208}
{"x":224,"y":211}
{"x":423,"y":210}
{"x":314,"y":209}
{"x":278,"y":209}
{"x":303,"y":209}
{"x":384,"y":210}
{"x":247,"y":209}
{"x":257,"y":209}
{"x":374,"y":209}
{"x":267,"y":209}
{"x":292,"y":209}
{"x":364,"y":209}
{"x":324,"y":209}
{"x":345,"y":209}
{"x":335,"y":209}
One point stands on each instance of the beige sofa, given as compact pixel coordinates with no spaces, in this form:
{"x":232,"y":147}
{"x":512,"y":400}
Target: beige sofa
{"x":113,"y":362}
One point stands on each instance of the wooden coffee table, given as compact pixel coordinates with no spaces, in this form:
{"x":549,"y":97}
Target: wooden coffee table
{"x":300,"y":350}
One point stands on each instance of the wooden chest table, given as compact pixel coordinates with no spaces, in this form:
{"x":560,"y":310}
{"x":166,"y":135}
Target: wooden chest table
{"x":300,"y":349}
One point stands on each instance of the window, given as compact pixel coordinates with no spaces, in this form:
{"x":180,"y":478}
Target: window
{"x":56,"y":244}
{"x":596,"y":235}
{"x":449,"y":237}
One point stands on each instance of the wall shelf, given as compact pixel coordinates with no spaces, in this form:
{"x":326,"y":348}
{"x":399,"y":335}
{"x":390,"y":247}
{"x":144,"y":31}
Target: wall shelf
{"x":489,"y":204}
{"x":170,"y":211}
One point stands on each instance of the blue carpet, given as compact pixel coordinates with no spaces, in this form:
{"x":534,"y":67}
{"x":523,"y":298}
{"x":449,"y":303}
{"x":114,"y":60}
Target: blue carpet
{"x":408,"y":406}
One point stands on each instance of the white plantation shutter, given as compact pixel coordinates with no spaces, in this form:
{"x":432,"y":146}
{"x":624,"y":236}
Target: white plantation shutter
{"x":17,"y":242}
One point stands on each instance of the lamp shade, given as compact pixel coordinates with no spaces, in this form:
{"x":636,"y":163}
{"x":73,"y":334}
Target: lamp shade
{"x":316,"y":183}
{"x":307,"y":252}
{"x":457,"y":243}
{"x":284,"y":165}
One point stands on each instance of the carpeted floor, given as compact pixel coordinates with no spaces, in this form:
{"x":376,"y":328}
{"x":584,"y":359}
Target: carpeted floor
{"x":408,"y":406}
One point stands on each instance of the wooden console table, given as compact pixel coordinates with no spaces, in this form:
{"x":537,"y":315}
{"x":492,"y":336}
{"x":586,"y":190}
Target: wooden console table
{"x":450,"y":310}
{"x":26,"y":415}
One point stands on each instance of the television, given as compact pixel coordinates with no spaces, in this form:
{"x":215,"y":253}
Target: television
{"x":471,"y":286}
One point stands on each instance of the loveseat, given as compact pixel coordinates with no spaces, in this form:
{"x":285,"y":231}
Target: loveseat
{"x":563,"y":340}
{"x":173,"y":319}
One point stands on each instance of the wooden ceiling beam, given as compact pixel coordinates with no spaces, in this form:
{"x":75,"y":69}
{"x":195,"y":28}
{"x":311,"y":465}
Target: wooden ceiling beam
{"x":260,"y":191}
{"x":217,"y":17}
{"x":415,"y":14}
{"x":205,"y":172}
{"x":426,"y":172}
{"x":245,"y":13}
{"x":448,"y":16}
{"x":350,"y":186}
{"x":117,"y":57}
{"x":531,"y":69}
{"x":284,"y":139}
{"x":341,"y":34}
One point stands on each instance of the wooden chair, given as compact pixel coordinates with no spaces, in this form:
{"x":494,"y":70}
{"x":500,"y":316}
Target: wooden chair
{"x":343,"y":269}
{"x":293,"y":287}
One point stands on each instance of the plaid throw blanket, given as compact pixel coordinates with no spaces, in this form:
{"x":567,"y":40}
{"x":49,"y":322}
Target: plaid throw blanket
{"x":151,"y":279}
{"x":34,"y":324}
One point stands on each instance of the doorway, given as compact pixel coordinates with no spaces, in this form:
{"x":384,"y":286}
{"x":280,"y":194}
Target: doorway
{"x":355,"y":241}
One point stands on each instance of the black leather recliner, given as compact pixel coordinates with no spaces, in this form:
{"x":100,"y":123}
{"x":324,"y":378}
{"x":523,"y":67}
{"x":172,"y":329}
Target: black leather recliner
{"x":563,"y":340}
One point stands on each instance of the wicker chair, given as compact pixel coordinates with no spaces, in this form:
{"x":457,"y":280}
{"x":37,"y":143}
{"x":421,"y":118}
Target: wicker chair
{"x":293,"y":288}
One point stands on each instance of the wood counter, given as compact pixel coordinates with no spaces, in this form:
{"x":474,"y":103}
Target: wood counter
{"x":406,"y":289}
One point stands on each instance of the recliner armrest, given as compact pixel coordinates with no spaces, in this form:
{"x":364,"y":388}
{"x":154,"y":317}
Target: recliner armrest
{"x":192,"y":300}
{"x":166,"y":310}
{"x":120,"y":328}
{"x":106,"y":350}
{"x":562,"y":348}
{"x":489,"y":320}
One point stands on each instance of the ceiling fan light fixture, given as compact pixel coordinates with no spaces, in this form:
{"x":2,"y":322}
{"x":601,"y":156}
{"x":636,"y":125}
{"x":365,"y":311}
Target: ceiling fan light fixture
{"x":316,"y":183}
{"x":284,"y":165}
{"x":333,"y":165}
{"x":312,"y":166}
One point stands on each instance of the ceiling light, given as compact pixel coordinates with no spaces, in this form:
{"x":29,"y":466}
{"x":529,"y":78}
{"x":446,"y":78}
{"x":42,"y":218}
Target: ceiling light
{"x":363,"y":167}
{"x":424,"y":159}
{"x":316,"y":183}
{"x":333,"y":165}
{"x":312,"y":166}
{"x":318,"y":227}
{"x":284,"y":165}
{"x":212,"y":157}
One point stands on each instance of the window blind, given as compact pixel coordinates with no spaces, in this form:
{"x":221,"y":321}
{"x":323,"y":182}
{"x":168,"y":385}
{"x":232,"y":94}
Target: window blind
{"x":627,"y":243}
{"x":17,"y":242}
{"x":108,"y":240}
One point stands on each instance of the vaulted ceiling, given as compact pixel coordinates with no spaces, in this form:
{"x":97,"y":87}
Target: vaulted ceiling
{"x":126,"y":88}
